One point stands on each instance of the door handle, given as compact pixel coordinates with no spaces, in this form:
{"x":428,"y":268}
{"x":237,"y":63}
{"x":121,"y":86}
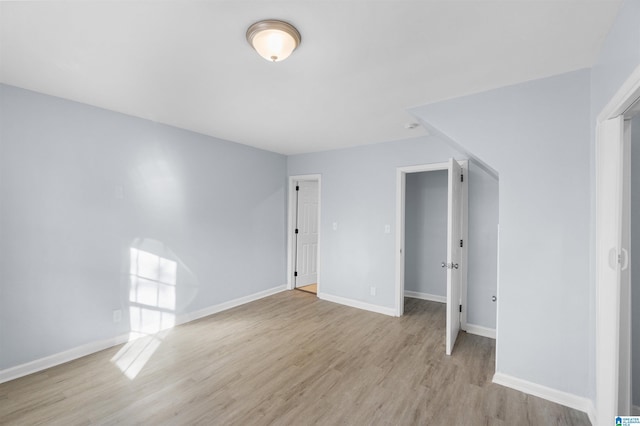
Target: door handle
{"x":449,"y":265}
{"x":444,"y":265}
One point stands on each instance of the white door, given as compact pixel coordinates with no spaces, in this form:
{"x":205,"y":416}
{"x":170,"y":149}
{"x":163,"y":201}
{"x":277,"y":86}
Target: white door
{"x":454,"y":267}
{"x":306,"y":268}
{"x":609,"y":192}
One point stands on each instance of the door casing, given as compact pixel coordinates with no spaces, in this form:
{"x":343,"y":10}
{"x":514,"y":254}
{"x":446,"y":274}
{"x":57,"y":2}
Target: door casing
{"x":401,"y":175}
{"x":610,"y":146}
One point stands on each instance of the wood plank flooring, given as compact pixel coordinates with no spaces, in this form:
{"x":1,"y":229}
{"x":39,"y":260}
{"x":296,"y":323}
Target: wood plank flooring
{"x":288,"y":359}
{"x":311,"y":288}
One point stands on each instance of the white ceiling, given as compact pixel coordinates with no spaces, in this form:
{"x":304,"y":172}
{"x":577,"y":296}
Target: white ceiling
{"x":361,"y":64}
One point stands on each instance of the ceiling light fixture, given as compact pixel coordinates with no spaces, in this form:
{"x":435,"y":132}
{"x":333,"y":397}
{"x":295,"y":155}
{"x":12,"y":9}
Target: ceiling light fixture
{"x":273,"y":40}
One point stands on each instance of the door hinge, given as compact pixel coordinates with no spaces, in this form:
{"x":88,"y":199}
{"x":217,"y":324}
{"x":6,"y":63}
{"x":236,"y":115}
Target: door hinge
{"x":297,"y":188}
{"x":460,"y":308}
{"x":461,"y":178}
{"x":461,"y":244}
{"x":295,"y":274}
{"x":296,"y":230}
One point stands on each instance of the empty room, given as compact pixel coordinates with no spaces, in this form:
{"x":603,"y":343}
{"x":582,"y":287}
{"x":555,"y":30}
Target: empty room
{"x":319,"y":212}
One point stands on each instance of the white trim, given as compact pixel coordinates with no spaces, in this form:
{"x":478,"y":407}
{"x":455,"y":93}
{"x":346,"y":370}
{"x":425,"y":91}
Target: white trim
{"x":579,"y":403}
{"x":60,"y":358}
{"x":635,"y":410}
{"x":401,"y":174}
{"x":481,"y":331}
{"x":425,"y":296}
{"x":609,"y":140}
{"x":591,"y":412}
{"x":291,"y":225}
{"x":624,"y":98}
{"x":192,"y":316}
{"x":464,"y":253}
{"x":357,"y":304}
{"x":97,"y":346}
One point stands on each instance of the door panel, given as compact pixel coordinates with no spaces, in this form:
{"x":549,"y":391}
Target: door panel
{"x":609,"y":185}
{"x":307,"y":237}
{"x":454,"y":235}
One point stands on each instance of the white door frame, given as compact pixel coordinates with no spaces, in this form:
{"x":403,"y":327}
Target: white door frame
{"x":401,"y":181}
{"x":609,"y":140}
{"x":291,"y":226}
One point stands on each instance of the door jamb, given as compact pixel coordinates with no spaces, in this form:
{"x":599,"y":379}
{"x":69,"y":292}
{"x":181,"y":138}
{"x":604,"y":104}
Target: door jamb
{"x":608,"y":354}
{"x":291,"y":223}
{"x":401,"y":180}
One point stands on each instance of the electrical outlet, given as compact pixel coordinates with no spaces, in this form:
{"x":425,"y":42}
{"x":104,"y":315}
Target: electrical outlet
{"x":117,"y":315}
{"x":387,"y":229}
{"x":335,"y":226}
{"x":373,"y":291}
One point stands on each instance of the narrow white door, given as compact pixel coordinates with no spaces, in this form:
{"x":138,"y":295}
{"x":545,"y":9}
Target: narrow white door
{"x":609,"y":191}
{"x":454,"y":268}
{"x":306,"y":269}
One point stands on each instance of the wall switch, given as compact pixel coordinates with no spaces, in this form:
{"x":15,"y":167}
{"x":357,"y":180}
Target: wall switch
{"x":387,"y":229}
{"x":335,"y":226}
{"x":117,"y":315}
{"x":373,"y":291}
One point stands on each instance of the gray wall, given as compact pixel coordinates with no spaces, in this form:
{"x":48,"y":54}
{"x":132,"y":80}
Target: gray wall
{"x":536,"y":135}
{"x":426,"y":232}
{"x":635,"y":257}
{"x":81,"y":186}
{"x":359,"y":193}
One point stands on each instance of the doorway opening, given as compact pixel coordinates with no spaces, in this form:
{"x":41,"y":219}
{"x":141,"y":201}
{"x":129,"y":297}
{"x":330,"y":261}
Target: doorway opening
{"x":304,"y":233}
{"x":455,"y":263}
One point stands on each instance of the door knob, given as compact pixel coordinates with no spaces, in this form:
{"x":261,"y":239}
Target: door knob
{"x":444,"y":265}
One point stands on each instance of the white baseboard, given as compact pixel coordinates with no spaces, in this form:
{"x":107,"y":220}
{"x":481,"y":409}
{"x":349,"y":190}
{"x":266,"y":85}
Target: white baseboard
{"x":591,"y":412}
{"x":559,"y":397}
{"x":60,"y":358}
{"x":358,"y":304}
{"x":93,"y":347}
{"x":635,"y":410}
{"x":425,"y":296}
{"x":192,"y":316}
{"x":481,"y":331}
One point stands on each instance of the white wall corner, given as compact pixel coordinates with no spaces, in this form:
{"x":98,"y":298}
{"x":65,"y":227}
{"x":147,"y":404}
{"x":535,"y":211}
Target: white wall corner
{"x":481,"y":331}
{"x":93,"y":347}
{"x":357,"y":304}
{"x":559,"y":397}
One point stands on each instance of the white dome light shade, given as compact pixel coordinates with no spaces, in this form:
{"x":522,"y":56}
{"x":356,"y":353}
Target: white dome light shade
{"x":273,"y":40}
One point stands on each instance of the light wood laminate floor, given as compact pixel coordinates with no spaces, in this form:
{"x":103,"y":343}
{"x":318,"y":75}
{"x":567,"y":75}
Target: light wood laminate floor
{"x":311,"y":288}
{"x":288,"y":359}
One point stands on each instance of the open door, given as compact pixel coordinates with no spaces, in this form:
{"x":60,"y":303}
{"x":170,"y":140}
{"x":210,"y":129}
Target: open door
{"x":454,"y":260}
